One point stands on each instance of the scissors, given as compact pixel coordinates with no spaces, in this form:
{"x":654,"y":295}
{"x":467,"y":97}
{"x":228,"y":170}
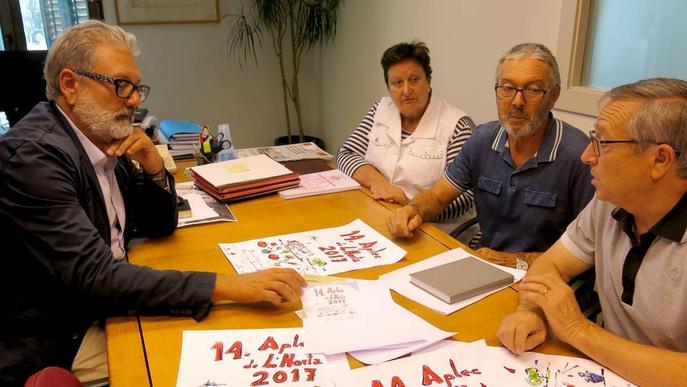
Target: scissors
{"x":220,"y":143}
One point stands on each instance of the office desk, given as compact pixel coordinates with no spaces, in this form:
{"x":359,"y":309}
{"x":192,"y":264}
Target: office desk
{"x":195,"y":248}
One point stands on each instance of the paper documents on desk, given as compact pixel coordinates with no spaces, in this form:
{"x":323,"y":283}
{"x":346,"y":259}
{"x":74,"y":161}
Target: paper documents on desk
{"x":204,"y":208}
{"x":477,"y":364}
{"x":364,"y":317}
{"x":301,"y":151}
{"x":319,"y":183}
{"x":399,"y":280}
{"x":253,"y":357}
{"x":321,"y":252}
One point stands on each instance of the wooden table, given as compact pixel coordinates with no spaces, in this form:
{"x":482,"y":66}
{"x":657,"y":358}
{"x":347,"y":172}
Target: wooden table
{"x":146,"y":350}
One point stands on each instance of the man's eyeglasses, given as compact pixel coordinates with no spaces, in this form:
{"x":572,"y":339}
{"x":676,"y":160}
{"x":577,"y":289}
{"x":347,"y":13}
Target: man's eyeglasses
{"x":597,"y":143}
{"x":123,"y":87}
{"x":530,"y":94}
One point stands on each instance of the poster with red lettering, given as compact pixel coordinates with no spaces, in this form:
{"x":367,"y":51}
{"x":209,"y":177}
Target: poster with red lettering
{"x":253,"y":357}
{"x":321,"y":252}
{"x":450,"y":365}
{"x":454,"y":364}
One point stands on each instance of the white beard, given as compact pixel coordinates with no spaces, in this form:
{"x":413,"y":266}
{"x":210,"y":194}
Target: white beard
{"x":104,"y":125}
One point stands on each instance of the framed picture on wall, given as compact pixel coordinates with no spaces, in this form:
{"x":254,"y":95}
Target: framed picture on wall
{"x":166,"y":11}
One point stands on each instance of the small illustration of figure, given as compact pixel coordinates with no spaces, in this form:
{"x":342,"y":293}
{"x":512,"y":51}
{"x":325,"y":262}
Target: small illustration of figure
{"x":534,"y":377}
{"x":591,"y":377}
{"x":205,"y":140}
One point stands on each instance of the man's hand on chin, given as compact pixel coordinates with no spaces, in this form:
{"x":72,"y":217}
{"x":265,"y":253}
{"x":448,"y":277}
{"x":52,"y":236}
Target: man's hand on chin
{"x":139,"y":147}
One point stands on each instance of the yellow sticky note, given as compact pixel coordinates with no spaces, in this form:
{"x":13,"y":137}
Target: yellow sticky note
{"x":236,"y":168}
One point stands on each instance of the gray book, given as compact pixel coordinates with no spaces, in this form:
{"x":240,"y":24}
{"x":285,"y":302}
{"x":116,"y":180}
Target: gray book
{"x":460,"y":280}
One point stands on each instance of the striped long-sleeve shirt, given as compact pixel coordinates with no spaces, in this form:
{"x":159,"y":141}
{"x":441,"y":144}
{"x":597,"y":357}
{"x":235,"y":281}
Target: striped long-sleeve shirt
{"x":351,"y":156}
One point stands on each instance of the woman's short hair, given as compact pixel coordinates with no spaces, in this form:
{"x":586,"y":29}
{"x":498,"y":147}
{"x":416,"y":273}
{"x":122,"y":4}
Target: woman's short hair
{"x":400,"y":52}
{"x":75,"y":49}
{"x":662,"y":114}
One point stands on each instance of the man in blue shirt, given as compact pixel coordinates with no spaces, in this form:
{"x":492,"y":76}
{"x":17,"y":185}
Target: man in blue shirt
{"x":525,"y":170}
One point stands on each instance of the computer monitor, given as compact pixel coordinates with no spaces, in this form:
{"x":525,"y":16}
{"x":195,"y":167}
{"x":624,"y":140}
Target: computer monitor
{"x":23,"y":85}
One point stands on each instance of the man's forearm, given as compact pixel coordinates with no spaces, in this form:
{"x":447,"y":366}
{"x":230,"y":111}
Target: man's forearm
{"x":428,"y":205}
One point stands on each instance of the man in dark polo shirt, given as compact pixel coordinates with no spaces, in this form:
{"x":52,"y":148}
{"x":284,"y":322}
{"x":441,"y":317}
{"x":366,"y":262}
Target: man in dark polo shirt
{"x":633,"y":233}
{"x":528,"y":181}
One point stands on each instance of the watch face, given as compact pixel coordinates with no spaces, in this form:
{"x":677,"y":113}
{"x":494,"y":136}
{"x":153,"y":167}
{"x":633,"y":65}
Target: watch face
{"x":521,"y":264}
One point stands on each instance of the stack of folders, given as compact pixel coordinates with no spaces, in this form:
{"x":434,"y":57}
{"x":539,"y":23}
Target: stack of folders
{"x":180,"y":136}
{"x":459,"y":280}
{"x":243,"y":178}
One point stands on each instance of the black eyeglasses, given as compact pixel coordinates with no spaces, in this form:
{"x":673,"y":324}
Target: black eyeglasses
{"x":123,"y":87}
{"x":598,"y":142}
{"x":530,"y":94}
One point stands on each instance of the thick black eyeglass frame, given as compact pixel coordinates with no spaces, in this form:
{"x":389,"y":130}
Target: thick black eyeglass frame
{"x":143,"y":90}
{"x":597,"y":143}
{"x":522,"y":90}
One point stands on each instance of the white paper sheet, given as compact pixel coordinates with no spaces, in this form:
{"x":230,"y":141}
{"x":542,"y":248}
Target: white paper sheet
{"x":249,"y":357}
{"x":320,"y":252}
{"x":550,"y":370}
{"x":360,"y":315}
{"x":476,"y":364}
{"x":450,"y":364}
{"x":399,"y":280}
{"x":319,"y":183}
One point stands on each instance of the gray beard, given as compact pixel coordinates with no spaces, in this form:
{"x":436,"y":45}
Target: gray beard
{"x":524,"y":132}
{"x":104,"y":125}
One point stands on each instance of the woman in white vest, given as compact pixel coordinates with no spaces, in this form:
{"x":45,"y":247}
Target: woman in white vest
{"x":405,"y":140}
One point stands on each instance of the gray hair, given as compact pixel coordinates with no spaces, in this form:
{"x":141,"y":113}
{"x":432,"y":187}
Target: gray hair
{"x":662,"y":114}
{"x":532,"y":50}
{"x":75,"y":48}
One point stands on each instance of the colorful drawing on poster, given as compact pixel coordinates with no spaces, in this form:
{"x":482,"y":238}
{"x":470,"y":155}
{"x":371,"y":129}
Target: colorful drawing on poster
{"x":319,"y":252}
{"x":535,"y":377}
{"x":591,"y":377}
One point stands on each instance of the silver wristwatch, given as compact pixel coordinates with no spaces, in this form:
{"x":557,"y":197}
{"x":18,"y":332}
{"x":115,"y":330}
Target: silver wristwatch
{"x":521,"y":262}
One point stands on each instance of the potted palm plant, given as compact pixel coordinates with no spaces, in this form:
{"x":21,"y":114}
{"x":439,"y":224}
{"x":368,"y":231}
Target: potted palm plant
{"x":294,"y":26}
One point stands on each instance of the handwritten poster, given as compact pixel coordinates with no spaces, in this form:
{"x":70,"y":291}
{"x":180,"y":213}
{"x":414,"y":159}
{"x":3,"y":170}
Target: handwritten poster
{"x":451,"y":365}
{"x":320,"y":252}
{"x":476,"y":364}
{"x":253,"y":357}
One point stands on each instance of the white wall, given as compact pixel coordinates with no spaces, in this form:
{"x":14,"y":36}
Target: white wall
{"x":465,"y":37}
{"x":192,"y":78}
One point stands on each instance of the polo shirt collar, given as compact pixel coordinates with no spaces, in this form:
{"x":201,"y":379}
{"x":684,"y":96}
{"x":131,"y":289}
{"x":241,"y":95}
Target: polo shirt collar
{"x":548,"y":150}
{"x":672,"y":226}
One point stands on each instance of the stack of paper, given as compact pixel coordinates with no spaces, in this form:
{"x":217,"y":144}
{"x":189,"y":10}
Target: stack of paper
{"x":243,"y":178}
{"x":180,"y":136}
{"x":300,"y":151}
{"x":369,"y":325}
{"x":321,"y":183}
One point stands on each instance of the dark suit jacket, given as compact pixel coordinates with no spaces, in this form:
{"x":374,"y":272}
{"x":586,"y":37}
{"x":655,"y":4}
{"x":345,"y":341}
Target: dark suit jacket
{"x":57,"y":273}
